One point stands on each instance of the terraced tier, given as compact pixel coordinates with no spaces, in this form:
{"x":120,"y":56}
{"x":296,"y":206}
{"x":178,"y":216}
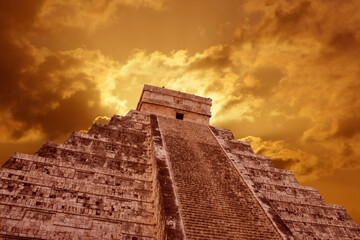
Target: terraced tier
{"x":289,"y":205}
{"x":97,"y":185}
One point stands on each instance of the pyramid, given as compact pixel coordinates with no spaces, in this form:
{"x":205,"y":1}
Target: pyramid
{"x":160,"y":172}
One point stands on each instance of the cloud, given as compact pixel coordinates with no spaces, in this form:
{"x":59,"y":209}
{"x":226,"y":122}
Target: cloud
{"x":295,"y":80}
{"x":18,"y":14}
{"x":87,"y":14}
{"x":60,"y":92}
{"x":283,"y":155}
{"x":47,"y":93}
{"x":289,"y":77}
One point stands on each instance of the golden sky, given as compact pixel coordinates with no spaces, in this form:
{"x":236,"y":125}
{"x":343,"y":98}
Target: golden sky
{"x":283,"y":74}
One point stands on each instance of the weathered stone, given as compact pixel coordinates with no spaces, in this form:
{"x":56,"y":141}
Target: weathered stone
{"x":160,"y":172}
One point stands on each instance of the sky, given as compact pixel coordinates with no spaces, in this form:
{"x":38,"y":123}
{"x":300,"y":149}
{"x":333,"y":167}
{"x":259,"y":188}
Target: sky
{"x":283,"y":75}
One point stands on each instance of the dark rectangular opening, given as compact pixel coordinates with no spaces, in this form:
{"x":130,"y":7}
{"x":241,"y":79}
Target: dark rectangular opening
{"x":180,"y":116}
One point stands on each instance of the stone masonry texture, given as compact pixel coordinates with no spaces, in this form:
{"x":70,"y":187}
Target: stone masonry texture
{"x":154,"y":175}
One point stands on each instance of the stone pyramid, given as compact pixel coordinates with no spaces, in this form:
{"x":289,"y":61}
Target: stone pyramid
{"x":160,"y":172}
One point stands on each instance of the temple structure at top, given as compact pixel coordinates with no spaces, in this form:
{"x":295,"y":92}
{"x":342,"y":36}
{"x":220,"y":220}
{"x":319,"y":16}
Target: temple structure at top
{"x":175,"y":104}
{"x":160,"y":172}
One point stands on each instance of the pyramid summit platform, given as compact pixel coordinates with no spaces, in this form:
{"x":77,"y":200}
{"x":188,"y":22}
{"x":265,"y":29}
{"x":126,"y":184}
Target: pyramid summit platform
{"x":160,"y":172}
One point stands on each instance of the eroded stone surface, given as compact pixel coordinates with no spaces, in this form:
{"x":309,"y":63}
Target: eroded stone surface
{"x":97,"y":185}
{"x":300,"y":208}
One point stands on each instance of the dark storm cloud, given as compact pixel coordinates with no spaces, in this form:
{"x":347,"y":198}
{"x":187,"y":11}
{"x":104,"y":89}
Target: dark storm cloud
{"x":343,"y":41}
{"x":286,"y":163}
{"x":18,"y":14}
{"x":348,"y":126}
{"x":14,"y":16}
{"x":218,"y":58}
{"x":51,"y":96}
{"x":288,"y":23}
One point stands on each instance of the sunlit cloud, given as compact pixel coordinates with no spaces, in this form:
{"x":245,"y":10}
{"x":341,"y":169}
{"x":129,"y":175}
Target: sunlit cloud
{"x":286,"y":79}
{"x":285,"y":156}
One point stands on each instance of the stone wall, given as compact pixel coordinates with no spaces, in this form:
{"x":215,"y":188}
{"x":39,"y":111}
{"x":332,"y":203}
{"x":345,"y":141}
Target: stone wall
{"x":166,"y":102}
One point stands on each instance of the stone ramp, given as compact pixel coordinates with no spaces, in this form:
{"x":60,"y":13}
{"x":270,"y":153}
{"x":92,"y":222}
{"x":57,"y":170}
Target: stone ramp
{"x":97,"y":185}
{"x":215,"y":202}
